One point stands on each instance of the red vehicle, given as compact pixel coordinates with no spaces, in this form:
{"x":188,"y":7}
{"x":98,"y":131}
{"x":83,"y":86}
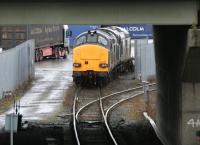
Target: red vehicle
{"x":50,"y":40}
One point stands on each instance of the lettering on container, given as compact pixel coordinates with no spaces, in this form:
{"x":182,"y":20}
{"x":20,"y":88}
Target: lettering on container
{"x":46,"y":29}
{"x":134,"y":28}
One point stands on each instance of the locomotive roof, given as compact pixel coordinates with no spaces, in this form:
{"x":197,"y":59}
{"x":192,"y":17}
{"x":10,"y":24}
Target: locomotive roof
{"x":120,"y":29}
{"x":98,"y":31}
{"x":112,"y":32}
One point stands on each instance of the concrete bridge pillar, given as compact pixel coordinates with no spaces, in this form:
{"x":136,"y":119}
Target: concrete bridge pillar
{"x":170,"y":52}
{"x":190,"y":123}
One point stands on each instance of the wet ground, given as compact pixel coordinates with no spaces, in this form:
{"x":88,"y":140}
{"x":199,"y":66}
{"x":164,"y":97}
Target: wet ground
{"x":45,"y":97}
{"x":48,"y":106}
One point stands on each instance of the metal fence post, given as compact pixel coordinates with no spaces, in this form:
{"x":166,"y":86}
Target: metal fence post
{"x":146,"y":95}
{"x":11,"y":129}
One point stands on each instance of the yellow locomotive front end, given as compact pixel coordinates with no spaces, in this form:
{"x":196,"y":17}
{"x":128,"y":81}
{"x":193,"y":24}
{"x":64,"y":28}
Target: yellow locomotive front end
{"x":90,"y":63}
{"x":90,"y":57}
{"x":99,"y":55}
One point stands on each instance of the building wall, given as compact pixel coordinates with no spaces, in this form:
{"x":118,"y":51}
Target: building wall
{"x":17,"y":66}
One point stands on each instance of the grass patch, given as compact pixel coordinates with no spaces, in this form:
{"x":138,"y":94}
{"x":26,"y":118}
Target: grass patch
{"x":8,"y":100}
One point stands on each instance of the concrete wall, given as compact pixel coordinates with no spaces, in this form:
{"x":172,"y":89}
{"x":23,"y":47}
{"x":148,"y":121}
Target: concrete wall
{"x":106,"y":12}
{"x":144,"y":59}
{"x":190,"y":113}
{"x":190,"y":121}
{"x":16,"y":66}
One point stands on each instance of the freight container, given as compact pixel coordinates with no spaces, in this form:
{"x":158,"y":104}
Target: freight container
{"x":46,"y":35}
{"x":50,"y":40}
{"x":12,"y":35}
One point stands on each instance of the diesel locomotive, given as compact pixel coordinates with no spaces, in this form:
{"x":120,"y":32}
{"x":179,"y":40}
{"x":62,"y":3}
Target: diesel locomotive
{"x":101,"y":54}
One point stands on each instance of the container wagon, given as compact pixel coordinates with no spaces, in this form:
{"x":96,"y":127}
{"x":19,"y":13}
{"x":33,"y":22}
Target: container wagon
{"x":50,"y":40}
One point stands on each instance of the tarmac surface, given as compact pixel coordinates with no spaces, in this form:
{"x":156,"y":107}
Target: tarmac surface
{"x":46,"y":94}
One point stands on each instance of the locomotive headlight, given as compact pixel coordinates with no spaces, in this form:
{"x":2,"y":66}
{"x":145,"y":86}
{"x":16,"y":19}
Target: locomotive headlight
{"x":103,"y":65}
{"x":77,"y":64}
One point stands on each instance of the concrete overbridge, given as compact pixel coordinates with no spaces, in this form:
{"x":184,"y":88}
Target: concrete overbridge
{"x":177,"y":60}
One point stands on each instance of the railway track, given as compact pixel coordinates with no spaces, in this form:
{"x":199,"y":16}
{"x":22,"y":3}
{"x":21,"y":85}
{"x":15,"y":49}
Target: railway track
{"x":94,"y":128}
{"x":90,"y":128}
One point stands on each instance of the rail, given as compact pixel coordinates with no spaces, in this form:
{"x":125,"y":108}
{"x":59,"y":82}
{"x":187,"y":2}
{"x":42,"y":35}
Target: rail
{"x":151,"y":121}
{"x":110,"y":95}
{"x":105,"y":114}
{"x":119,"y":102}
{"x":74,"y":117}
{"x":105,"y":97}
{"x":105,"y":120}
{"x":153,"y":124}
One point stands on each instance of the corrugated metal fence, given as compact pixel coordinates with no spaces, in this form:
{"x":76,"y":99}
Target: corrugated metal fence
{"x":16,"y":66}
{"x":144,"y":59}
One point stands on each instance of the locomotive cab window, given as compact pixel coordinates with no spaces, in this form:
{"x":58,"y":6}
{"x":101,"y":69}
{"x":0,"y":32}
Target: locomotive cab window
{"x":102,"y":40}
{"x":92,"y":38}
{"x":81,"y":40}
